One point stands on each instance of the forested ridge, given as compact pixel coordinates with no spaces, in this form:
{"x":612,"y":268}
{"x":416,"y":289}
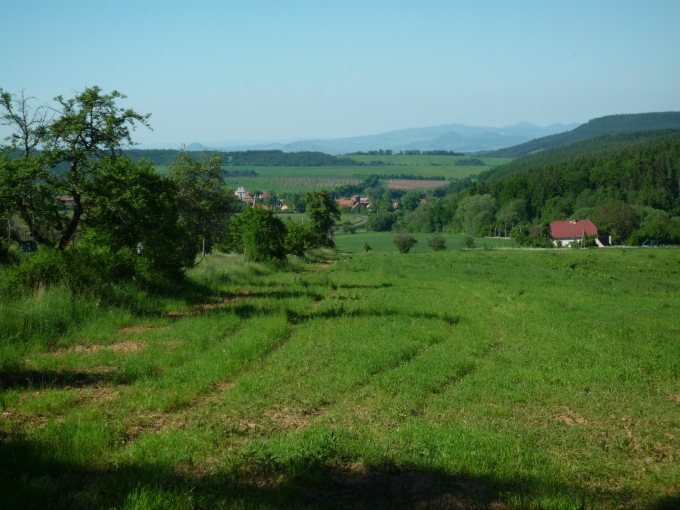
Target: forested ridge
{"x":643,"y":172}
{"x":609,"y":125}
{"x":248,"y":158}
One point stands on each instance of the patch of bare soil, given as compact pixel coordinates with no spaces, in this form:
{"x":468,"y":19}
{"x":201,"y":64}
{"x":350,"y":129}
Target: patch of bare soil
{"x":117,"y":347}
{"x":206,"y":307}
{"x":91,"y":349}
{"x":288,"y":419}
{"x":131,"y":330}
{"x":571,"y":418}
{"x":83,"y":394}
{"x":414,"y":184}
{"x":155,"y":422}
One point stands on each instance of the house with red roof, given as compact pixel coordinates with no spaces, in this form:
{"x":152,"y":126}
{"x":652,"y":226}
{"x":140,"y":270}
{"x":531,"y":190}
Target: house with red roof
{"x":566,"y":232}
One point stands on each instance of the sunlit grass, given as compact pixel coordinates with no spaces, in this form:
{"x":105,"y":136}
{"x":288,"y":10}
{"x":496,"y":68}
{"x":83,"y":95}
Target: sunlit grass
{"x":530,"y":379}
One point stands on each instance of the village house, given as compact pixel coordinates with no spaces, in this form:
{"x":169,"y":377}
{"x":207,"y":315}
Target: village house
{"x":566,"y":232}
{"x":241,"y":193}
{"x":353,"y":202}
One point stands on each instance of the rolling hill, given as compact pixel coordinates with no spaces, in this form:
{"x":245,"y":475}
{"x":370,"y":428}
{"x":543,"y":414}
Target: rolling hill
{"x":450,"y":137}
{"x":609,"y":125}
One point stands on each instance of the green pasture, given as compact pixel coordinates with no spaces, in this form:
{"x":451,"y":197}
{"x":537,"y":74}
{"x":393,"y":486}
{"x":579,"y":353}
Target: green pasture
{"x":431,"y":165}
{"x":297,"y":179}
{"x":518,"y":379}
{"x":383,"y":242}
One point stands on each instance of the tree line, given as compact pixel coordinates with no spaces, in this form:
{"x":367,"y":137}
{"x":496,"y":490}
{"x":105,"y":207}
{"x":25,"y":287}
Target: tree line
{"x":124,"y":221}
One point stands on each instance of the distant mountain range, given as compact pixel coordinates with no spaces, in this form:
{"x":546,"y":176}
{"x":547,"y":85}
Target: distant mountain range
{"x":450,"y":137}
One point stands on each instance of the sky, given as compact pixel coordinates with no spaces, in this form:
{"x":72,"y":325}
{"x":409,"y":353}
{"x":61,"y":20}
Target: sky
{"x":281,"y":70}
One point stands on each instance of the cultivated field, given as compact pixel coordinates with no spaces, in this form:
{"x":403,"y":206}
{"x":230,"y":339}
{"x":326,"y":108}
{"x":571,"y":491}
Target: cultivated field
{"x":296,"y":179}
{"x":460,"y":379}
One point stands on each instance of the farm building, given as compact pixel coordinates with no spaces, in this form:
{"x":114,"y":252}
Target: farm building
{"x":353,"y":202}
{"x":566,"y":232}
{"x":241,"y":193}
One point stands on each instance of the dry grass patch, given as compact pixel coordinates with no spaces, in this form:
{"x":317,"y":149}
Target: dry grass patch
{"x":414,"y":184}
{"x":139,"y":423}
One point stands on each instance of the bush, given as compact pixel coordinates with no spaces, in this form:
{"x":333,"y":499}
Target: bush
{"x":469,"y":242}
{"x":259,"y":234}
{"x":437,"y":243}
{"x":299,"y":238}
{"x":405,"y":242}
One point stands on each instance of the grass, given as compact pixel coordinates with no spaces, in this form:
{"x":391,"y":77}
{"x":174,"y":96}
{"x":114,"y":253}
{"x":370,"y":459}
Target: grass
{"x":458,"y":379}
{"x":299,"y":179}
{"x":383,"y":242}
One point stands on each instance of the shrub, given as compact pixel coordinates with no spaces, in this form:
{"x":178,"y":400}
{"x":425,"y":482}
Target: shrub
{"x":469,"y":242}
{"x":259,"y":234}
{"x":299,"y":238}
{"x":405,"y":242}
{"x":437,"y":243}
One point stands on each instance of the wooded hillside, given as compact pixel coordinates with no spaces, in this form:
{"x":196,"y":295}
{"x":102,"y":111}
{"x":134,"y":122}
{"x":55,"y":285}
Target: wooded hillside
{"x":609,"y":125}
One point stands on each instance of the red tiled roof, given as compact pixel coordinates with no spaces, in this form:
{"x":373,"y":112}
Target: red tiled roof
{"x":572,"y":229}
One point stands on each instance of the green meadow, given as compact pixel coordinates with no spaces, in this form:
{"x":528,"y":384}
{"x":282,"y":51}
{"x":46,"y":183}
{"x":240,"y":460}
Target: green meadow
{"x":459,"y":379}
{"x":383,"y":242}
{"x":298,"y":179}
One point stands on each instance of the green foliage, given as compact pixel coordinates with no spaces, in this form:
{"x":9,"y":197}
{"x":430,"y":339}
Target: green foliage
{"x":405,"y":242}
{"x":618,"y":219}
{"x":204,"y":200}
{"x":470,"y":162}
{"x":475,"y":211}
{"x":633,"y":125}
{"x":381,"y":221}
{"x":410,"y":200}
{"x":299,"y":238}
{"x":536,"y":236}
{"x":469,"y":241}
{"x":134,"y":217}
{"x":323,"y":213}
{"x":259,"y":234}
{"x":642,"y":173}
{"x":85,"y":131}
{"x":437,"y":243}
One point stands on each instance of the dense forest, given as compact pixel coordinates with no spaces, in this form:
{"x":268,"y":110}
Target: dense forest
{"x":645,"y":172}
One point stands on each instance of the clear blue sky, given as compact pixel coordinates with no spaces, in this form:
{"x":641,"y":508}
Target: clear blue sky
{"x":228,"y":70}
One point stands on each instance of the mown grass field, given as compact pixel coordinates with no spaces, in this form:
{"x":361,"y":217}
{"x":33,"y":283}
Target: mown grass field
{"x":458,"y":379}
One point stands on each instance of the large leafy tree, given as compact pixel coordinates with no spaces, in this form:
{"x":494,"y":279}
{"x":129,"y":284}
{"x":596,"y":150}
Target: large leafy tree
{"x":475,"y":211}
{"x":24,"y":180}
{"x":323,"y":213}
{"x":133,"y":215}
{"x":204,"y":200}
{"x":79,"y":133}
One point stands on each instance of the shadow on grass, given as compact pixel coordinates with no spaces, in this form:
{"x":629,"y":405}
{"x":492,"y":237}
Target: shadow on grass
{"x":30,"y":477}
{"x":341,"y":312}
{"x":26,"y":379}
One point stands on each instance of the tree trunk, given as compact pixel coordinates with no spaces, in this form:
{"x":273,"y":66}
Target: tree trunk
{"x":72,"y":226}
